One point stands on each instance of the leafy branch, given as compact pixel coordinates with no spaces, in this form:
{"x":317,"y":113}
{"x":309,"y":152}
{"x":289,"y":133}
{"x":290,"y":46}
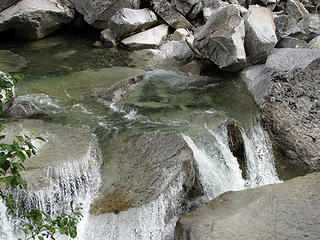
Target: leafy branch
{"x":36,"y":223}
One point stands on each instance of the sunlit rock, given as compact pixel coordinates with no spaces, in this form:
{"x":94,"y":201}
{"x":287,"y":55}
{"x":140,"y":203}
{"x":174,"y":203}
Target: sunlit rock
{"x":35,"y":19}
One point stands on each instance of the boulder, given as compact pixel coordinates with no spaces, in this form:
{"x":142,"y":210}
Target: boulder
{"x":287,"y":91}
{"x":151,"y":38}
{"x":127,"y":21}
{"x":296,"y":9}
{"x":184,"y":6}
{"x":98,"y":12}
{"x":189,"y":8}
{"x":195,"y":67}
{"x":207,"y":11}
{"x":141,"y":167}
{"x":179,"y":35}
{"x":173,"y":51}
{"x":288,"y":210}
{"x":171,"y":16}
{"x":35,"y":19}
{"x":287,"y":26}
{"x":290,"y":42}
{"x":314,"y":43}
{"x":24,"y":109}
{"x":221,"y":39}
{"x":260,"y":37}
{"x":107,"y":39}
{"x":311,"y":25}
{"x":6,"y":3}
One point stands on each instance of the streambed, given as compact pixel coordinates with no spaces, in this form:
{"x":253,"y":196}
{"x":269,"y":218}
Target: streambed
{"x":66,"y":77}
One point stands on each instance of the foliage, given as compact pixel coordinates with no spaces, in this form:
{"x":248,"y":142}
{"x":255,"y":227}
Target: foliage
{"x":36,"y":224}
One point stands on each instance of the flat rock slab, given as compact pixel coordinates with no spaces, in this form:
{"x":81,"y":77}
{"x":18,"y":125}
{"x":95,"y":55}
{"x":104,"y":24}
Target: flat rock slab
{"x":141,"y":167}
{"x":289,"y":210}
{"x":151,"y":38}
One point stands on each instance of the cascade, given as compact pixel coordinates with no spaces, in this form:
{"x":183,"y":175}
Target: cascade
{"x":219,"y":170}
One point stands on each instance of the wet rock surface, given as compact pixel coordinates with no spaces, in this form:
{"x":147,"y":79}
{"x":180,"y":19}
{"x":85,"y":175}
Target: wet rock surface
{"x":287,"y":90}
{"x":287,"y":210}
{"x":140,"y":167}
{"x":24,"y":109}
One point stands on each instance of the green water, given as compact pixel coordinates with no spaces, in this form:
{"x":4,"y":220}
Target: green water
{"x":63,"y":74}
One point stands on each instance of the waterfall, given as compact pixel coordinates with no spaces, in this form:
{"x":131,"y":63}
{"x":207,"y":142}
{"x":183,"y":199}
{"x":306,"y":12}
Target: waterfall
{"x":76,"y":180}
{"x":219,"y":170}
{"x":148,"y":222}
{"x":6,"y":231}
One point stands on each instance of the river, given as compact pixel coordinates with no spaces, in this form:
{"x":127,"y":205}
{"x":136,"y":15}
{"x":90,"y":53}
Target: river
{"x":65,"y":76}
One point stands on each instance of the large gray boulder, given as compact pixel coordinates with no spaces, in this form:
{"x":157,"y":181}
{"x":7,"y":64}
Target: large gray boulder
{"x":260,"y":38}
{"x":296,"y":9}
{"x":98,"y":12}
{"x":6,"y":3}
{"x":311,"y":25}
{"x":141,"y":167}
{"x":287,"y":91}
{"x":35,"y":19}
{"x":222,"y":39}
{"x":169,"y":14}
{"x":151,"y":38}
{"x":288,"y":210}
{"x":287,"y":26}
{"x":127,"y":21}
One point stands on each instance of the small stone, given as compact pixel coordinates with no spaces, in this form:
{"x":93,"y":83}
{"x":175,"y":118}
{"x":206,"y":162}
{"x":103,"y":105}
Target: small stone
{"x":107,"y":38}
{"x":97,"y":44}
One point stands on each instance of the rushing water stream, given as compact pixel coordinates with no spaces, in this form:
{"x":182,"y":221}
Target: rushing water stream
{"x":64,"y":75}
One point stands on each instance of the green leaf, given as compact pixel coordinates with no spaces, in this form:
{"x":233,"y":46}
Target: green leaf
{"x":41,"y":139}
{"x":20,"y":138}
{"x":21,"y":156}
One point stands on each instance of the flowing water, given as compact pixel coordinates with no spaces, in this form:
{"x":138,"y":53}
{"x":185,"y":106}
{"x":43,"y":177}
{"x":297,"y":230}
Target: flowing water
{"x":65,"y":76}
